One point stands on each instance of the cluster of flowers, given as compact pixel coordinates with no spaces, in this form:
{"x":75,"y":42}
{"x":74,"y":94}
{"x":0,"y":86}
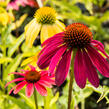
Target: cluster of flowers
{"x":58,"y":44}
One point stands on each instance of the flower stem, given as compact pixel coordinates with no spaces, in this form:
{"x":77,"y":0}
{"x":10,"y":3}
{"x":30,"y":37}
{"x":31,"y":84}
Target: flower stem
{"x":83,"y":104}
{"x":35,"y":98}
{"x":71,"y":79}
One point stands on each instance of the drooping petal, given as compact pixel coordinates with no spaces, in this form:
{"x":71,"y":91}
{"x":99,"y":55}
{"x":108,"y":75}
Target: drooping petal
{"x":29,"y":89}
{"x":18,"y":79}
{"x":43,"y":73}
{"x":32,"y":67}
{"x":17,"y":73}
{"x":63,"y":68}
{"x":31,"y":31}
{"x":48,"y":79}
{"x":79,"y":70}
{"x":45,"y":58}
{"x":12,"y":89}
{"x":44,"y":83}
{"x":60,"y":25}
{"x":48,"y":31}
{"x":41,"y":89}
{"x":99,"y":61}
{"x":56,"y":59}
{"x":57,"y":36}
{"x":19,"y":86}
{"x":90,"y":70}
{"x":50,"y":47}
{"x":99,"y":46}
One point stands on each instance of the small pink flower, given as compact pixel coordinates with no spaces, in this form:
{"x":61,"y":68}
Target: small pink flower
{"x":16,"y":3}
{"x":32,"y":78}
{"x":57,"y":55}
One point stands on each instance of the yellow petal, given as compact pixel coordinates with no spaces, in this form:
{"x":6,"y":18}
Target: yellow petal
{"x":48,"y":31}
{"x":31,"y":60}
{"x":32,"y":31}
{"x":60,"y":24}
{"x":44,"y":33}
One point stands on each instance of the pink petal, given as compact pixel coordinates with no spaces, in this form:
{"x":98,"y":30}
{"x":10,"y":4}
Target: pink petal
{"x":43,"y":73}
{"x":45,"y":58}
{"x":90,"y":70}
{"x":63,"y":68}
{"x":18,"y":79}
{"x":45,"y":83}
{"x":24,"y":70}
{"x":48,"y":79}
{"x":17,"y":73}
{"x":19,"y":87}
{"x":79,"y":70}
{"x":41,"y":89}
{"x":29,"y":89}
{"x":97,"y":43}
{"x":99,"y":61}
{"x":50,"y":47}
{"x":99,"y":46}
{"x":56,"y":59}
{"x":59,"y":35}
{"x":12,"y":90}
{"x":32,"y":67}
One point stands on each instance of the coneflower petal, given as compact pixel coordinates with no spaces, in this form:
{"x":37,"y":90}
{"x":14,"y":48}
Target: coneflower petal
{"x":63,"y":68}
{"x":90,"y":70}
{"x":29,"y":89}
{"x":99,"y":61}
{"x":15,"y":80}
{"x":56,"y":59}
{"x":41,"y":89}
{"x":44,"y":59}
{"x":99,"y":46}
{"x":79,"y":70}
{"x":19,"y":86}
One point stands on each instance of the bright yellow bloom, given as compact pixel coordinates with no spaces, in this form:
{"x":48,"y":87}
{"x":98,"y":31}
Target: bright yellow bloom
{"x":45,"y":21}
{"x":4,"y":17}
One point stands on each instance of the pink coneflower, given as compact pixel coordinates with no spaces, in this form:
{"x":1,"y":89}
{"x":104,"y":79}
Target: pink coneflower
{"x":32,"y":78}
{"x":16,"y":3}
{"x":57,"y":55}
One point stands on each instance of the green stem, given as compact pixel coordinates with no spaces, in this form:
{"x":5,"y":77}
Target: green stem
{"x":35,"y":98}
{"x":83,"y":104}
{"x":71,"y":79}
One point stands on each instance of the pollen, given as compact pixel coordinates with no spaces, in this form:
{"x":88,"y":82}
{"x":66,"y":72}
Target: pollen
{"x":77,"y":35}
{"x":32,"y":76}
{"x":45,"y":15}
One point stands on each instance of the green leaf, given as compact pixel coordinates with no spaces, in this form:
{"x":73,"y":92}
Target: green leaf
{"x":54,"y":99}
{"x":28,"y":101}
{"x":12,"y":66}
{"x":5,"y":59}
{"x":15,"y":46}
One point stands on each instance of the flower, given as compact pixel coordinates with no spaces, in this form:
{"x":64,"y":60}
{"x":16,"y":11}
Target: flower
{"x":32,"y":78}
{"x":57,"y":55}
{"x":16,"y":3}
{"x":45,"y":21}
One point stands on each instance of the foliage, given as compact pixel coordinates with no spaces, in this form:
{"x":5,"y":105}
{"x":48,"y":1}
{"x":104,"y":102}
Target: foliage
{"x":13,"y":51}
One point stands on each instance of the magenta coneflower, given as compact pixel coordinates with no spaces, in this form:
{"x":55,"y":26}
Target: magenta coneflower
{"x":32,"y":78}
{"x":16,"y":3}
{"x":57,"y":55}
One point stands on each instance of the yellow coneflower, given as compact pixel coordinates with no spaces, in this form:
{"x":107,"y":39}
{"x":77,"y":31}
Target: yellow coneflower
{"x":45,"y":21}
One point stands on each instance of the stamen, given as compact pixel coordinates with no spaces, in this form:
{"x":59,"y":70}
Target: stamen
{"x":77,"y":35}
{"x":45,"y":15}
{"x":32,"y":76}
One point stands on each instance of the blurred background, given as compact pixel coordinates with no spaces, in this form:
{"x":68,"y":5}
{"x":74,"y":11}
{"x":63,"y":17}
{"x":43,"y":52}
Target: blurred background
{"x":13,"y":51}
